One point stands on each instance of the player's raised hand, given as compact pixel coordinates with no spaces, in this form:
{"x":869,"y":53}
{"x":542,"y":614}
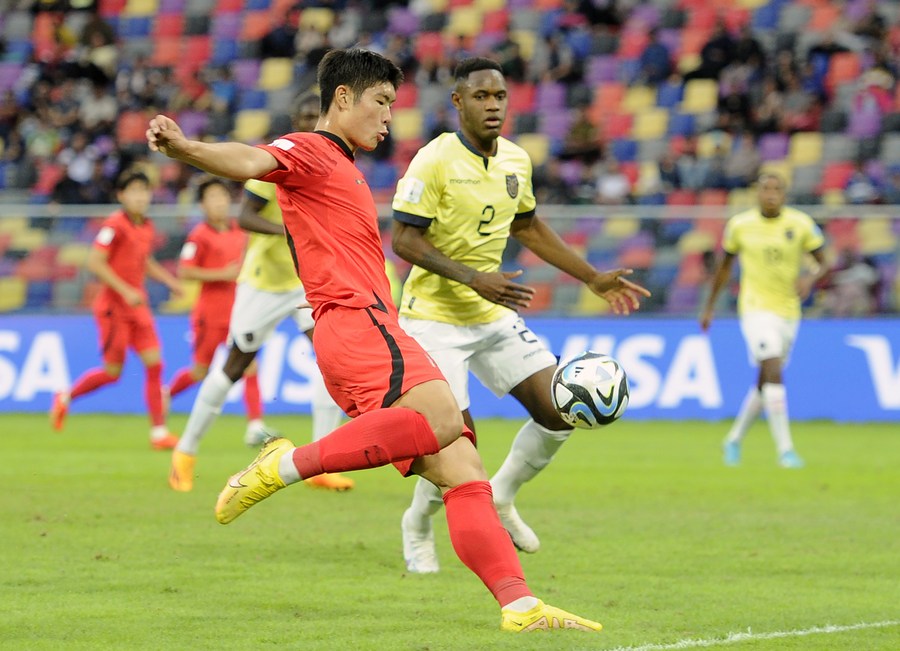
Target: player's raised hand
{"x":165,"y":136}
{"x":498,"y":287}
{"x":622,"y":294}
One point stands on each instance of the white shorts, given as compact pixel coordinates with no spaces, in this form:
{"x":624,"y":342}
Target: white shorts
{"x":256,"y":314}
{"x":501,"y":354}
{"x":768,"y":336}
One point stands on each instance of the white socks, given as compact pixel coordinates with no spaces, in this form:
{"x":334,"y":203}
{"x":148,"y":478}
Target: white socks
{"x":750,"y":410}
{"x":326,"y":415}
{"x":532,"y":449}
{"x":774,"y":401}
{"x":158,"y":432}
{"x":426,"y":502}
{"x":207,"y":407}
{"x":286,"y":468}
{"x":522,"y":604}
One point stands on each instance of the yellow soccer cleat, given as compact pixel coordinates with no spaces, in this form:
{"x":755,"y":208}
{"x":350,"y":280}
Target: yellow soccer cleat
{"x":181,"y":476}
{"x":331,"y":481}
{"x":544,"y":618}
{"x":253,"y":484}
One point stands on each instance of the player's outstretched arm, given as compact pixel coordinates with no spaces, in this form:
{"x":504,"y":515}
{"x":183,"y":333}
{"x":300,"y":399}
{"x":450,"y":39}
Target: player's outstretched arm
{"x":722,"y":274}
{"x":232,"y":160}
{"x":498,"y":287}
{"x":250,"y":220}
{"x":622,"y":294}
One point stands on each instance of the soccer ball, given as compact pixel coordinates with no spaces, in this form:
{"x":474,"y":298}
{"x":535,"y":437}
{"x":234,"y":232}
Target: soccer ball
{"x":590,"y":390}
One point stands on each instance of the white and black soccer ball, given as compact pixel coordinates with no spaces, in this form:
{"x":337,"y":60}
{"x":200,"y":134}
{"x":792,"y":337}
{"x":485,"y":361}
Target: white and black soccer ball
{"x":590,"y":390}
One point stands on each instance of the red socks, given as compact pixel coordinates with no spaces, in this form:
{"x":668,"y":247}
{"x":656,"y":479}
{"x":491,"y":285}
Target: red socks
{"x":252,"y":399}
{"x":481,"y":542}
{"x":373,"y":439}
{"x":91,"y":381}
{"x":182,"y":380}
{"x":153,"y":394}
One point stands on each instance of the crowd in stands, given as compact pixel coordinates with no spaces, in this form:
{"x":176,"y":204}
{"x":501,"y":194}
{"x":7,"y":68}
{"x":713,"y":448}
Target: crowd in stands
{"x":619,"y":102}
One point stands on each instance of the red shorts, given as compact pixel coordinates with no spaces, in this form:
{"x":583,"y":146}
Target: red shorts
{"x":368,"y":361}
{"x":121,"y":329}
{"x":207,"y":337}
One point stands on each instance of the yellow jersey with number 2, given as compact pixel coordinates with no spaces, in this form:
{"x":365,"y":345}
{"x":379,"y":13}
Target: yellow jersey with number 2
{"x":467,"y":203}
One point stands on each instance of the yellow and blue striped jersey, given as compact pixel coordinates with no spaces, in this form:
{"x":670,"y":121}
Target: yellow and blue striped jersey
{"x":467,"y":203}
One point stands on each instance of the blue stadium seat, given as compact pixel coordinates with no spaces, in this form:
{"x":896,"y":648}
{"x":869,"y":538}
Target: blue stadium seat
{"x":224,"y":51}
{"x":681,"y":124}
{"x":382,"y":176}
{"x":669,"y":95}
{"x":624,"y":150}
{"x":39,"y":294}
{"x":252,"y":99}
{"x":135,"y":27}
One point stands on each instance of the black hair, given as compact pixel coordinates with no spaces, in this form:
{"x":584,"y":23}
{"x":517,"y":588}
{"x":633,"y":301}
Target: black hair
{"x":128,"y":177}
{"x":474,"y":64}
{"x":357,"y":69}
{"x":207,"y":183}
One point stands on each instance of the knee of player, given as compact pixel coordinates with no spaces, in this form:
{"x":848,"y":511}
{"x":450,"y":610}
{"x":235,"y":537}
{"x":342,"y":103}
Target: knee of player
{"x":113,"y":370}
{"x":447,"y":424}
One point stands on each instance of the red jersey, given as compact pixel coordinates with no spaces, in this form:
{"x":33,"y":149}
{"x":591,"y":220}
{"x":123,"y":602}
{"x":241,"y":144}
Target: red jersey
{"x":128,"y":246}
{"x":330,"y":221}
{"x":207,"y":248}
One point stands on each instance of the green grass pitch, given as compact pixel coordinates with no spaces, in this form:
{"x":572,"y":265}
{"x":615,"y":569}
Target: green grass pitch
{"x":642,"y":528}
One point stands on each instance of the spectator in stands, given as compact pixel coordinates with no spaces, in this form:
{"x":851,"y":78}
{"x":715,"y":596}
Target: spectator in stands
{"x":64,"y":107}
{"x":769,"y":108}
{"x":98,"y":110}
{"x":800,"y":108}
{"x":692,"y":169}
{"x":715,"y":55}
{"x":655,"y":63}
{"x":582,"y":140}
{"x":549,"y":185}
{"x":742,"y":165}
{"x":870,"y":104}
{"x":508,"y":54}
{"x":715,"y":169}
{"x":554,"y":60}
{"x":669,"y":172}
{"x":613,"y":186}
{"x":891,"y":191}
{"x":601,"y":13}
{"x":861,"y":188}
{"x":749,"y":52}
{"x":852,"y":286}
{"x":400,"y":52}
{"x":78,"y":159}
{"x":734,"y":111}
{"x":820,"y":53}
{"x":279,"y":42}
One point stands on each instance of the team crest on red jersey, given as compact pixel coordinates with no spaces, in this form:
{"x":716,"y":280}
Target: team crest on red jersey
{"x":512,"y":185}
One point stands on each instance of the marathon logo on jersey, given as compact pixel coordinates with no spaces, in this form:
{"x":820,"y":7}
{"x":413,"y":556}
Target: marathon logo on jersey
{"x":512,"y":185}
{"x":411,"y":190}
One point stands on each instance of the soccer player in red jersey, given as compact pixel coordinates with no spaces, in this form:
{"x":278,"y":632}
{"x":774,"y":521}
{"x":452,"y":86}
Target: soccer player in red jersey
{"x":212,"y":255}
{"x":121,"y":258}
{"x":402,"y":408}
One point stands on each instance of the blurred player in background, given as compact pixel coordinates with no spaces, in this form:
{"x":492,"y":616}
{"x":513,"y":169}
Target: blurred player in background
{"x":212,"y":255}
{"x":462,"y":197}
{"x":121,"y":259}
{"x":403,"y":410}
{"x":771,"y":242}
{"x":268,"y":291}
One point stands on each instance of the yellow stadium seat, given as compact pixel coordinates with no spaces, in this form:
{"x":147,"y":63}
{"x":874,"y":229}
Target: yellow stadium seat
{"x":318,"y":18}
{"x":490,"y":5}
{"x":13,"y":224}
{"x":638,"y":98}
{"x":700,"y":96}
{"x":741,"y":198}
{"x":407,"y":124}
{"x":752,"y":4}
{"x":833,"y":198}
{"x":876,"y":236}
{"x":184,"y":303}
{"x":648,"y":178}
{"x":537,"y":145}
{"x":650,"y":124}
{"x":438,"y":6}
{"x":526,"y":39}
{"x":688,"y":62}
{"x":29,"y":239}
{"x":589,"y":303}
{"x":74,"y":253}
{"x":12,"y":293}
{"x":695,"y":241}
{"x":620,"y":228}
{"x":464,"y":21}
{"x":805,"y":148}
{"x":141,"y":8}
{"x":782,"y":168}
{"x":251,"y":125}
{"x":276,"y":73}
{"x":707,"y":143}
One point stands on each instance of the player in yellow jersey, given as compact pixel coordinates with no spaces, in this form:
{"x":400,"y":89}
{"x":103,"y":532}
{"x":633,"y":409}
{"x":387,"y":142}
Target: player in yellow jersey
{"x":462,"y":197}
{"x":268,"y":291}
{"x":771,"y":242}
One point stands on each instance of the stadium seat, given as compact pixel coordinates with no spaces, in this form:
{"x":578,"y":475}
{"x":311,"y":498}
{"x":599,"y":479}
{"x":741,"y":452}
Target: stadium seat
{"x":168,"y":26}
{"x":681,"y":124}
{"x":773,"y":146}
{"x":407,"y":124}
{"x":166,"y":52}
{"x":805,"y":148}
{"x":141,"y":8}
{"x":542,"y":298}
{"x":700,"y":96}
{"x":251,"y":125}
{"x":623,"y":150}
{"x":275,"y":74}
{"x":824,"y":17}
{"x":844,"y":67}
{"x":13,"y":292}
{"x":616,"y":125}
{"x":708,"y":143}
{"x":537,"y":145}
{"x":551,"y":96}
{"x":110,"y":8}
{"x":632,"y":43}
{"x":256,"y":24}
{"x":464,"y":21}
{"x":835,"y":176}
{"x":638,"y":98}
{"x":197,"y":51}
{"x":320,"y":19}
{"x":245,"y":73}
{"x":650,"y":124}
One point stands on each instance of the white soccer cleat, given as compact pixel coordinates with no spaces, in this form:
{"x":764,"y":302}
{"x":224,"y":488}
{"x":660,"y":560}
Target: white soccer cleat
{"x":418,"y":545}
{"x":522,"y":535}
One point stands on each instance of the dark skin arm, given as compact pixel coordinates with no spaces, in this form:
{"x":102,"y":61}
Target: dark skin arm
{"x":720,"y":278}
{"x":249,"y":218}
{"x":622,"y":294}
{"x":409,"y":243}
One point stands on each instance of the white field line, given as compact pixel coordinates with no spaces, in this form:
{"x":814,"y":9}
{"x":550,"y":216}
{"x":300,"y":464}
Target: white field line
{"x":733,"y":638}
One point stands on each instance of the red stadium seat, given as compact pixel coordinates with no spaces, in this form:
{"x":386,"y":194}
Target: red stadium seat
{"x":632,"y":43}
{"x":429,"y":45}
{"x":166,"y":52}
{"x":542,"y":299}
{"x":407,"y":96}
{"x":495,"y":21}
{"x":844,"y":67}
{"x":111,"y":8}
{"x":616,"y":125}
{"x":168,"y":26}
{"x":256,"y":25}
{"x":228,"y":6}
{"x":836,"y":175}
{"x":681,"y":198}
{"x":131,"y":128}
{"x":197,"y":50}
